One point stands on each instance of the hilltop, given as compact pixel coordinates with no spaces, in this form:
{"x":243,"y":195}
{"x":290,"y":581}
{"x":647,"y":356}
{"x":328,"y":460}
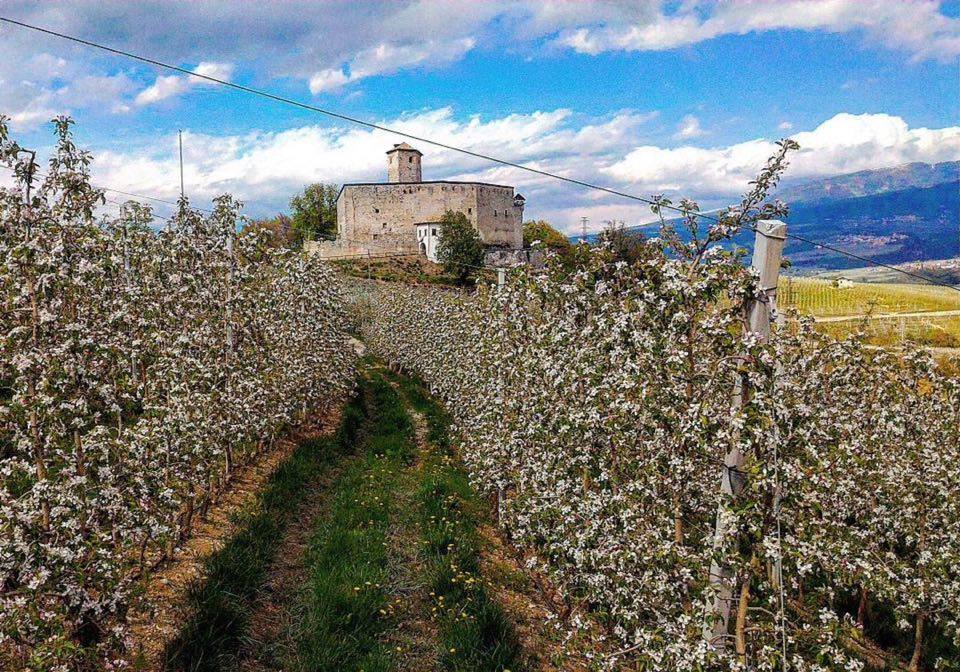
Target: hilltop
{"x":870,"y":182}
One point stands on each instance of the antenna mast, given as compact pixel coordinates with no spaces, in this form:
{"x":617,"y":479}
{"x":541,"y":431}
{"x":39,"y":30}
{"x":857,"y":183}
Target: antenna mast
{"x":180,"y":136}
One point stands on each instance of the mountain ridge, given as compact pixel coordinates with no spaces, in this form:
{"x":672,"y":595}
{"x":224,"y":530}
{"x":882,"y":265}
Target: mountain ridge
{"x":870,"y":182}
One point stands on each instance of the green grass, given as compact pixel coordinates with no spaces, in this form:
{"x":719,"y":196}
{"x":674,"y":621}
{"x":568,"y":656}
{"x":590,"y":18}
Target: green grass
{"x":220,"y":606}
{"x":342,"y":618}
{"x":475,"y":633}
{"x":344,"y":613}
{"x":438,"y":421}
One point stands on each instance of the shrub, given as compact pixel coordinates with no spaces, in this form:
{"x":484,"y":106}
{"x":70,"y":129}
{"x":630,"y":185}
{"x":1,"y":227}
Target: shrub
{"x":460,"y":249}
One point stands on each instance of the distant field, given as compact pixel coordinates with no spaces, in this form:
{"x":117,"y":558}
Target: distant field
{"x":943,"y":270}
{"x":825,"y":299}
{"x":935,"y":332}
{"x":822,"y":298}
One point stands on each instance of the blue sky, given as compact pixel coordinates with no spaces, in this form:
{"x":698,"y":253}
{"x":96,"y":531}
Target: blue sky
{"x":679,"y":97}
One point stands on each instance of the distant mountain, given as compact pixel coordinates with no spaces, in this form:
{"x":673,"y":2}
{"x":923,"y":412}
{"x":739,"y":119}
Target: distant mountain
{"x":870,"y":182}
{"x":913,"y":224}
{"x":909,"y":213}
{"x":894,"y":227}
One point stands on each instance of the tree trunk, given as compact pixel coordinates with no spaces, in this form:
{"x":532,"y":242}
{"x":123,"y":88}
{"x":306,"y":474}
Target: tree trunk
{"x":741,"y":627}
{"x":917,"y":644}
{"x":677,"y":521}
{"x":862,"y":609}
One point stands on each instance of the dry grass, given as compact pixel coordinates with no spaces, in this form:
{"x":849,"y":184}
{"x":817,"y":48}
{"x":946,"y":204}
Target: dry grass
{"x":933,"y":332}
{"x":822,"y":298}
{"x":414,"y":270}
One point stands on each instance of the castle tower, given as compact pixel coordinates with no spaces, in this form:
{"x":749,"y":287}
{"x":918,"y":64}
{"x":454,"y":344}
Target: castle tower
{"x":403,"y":164}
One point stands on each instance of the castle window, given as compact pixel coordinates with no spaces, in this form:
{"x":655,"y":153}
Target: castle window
{"x":384,"y":225}
{"x":410,"y":159}
{"x":469,"y":211}
{"x":376,"y":210}
{"x":433,"y":231}
{"x":494,"y":213}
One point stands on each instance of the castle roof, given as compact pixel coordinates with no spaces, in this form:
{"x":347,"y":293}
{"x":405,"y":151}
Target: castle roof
{"x":404,"y":147}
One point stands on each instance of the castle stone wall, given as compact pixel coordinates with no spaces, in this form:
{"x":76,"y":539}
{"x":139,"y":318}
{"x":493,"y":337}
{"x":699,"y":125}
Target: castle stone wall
{"x":383,"y":217}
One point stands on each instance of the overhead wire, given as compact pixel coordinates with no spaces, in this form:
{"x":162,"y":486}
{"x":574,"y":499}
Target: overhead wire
{"x":436,"y":143}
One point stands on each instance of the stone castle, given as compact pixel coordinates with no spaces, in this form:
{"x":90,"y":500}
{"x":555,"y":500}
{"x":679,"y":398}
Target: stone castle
{"x":401,"y":216}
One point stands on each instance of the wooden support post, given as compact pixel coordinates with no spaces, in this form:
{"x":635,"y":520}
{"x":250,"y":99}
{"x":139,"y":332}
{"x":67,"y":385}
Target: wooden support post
{"x":760,"y":312}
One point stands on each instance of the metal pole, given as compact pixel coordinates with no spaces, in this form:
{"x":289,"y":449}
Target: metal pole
{"x":767,"y":254}
{"x":180,"y":136}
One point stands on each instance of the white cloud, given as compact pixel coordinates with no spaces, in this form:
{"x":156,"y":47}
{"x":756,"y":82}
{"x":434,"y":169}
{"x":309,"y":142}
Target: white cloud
{"x":266,"y":168}
{"x":689,"y":128}
{"x":328,"y":80}
{"x":916,"y":27}
{"x":36,"y":86}
{"x":169,"y":86}
{"x":386,"y":59}
{"x":784,"y":126}
{"x":844,"y":143}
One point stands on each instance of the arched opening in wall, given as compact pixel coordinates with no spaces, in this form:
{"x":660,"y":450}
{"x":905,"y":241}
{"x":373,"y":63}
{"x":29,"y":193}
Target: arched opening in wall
{"x":423,"y":249}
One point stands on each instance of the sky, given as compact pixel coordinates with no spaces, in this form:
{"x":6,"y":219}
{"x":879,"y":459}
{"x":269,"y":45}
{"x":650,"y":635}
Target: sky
{"x":684,"y":98}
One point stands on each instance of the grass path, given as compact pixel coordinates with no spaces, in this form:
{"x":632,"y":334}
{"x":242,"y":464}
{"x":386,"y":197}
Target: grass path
{"x":222,"y":605}
{"x":363,"y":553}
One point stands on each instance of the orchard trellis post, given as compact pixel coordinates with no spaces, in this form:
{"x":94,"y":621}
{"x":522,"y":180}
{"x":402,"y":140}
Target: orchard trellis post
{"x":767,"y":255}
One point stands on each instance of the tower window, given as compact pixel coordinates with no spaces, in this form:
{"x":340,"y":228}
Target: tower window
{"x":469,"y":211}
{"x":376,"y":210}
{"x":410,"y":159}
